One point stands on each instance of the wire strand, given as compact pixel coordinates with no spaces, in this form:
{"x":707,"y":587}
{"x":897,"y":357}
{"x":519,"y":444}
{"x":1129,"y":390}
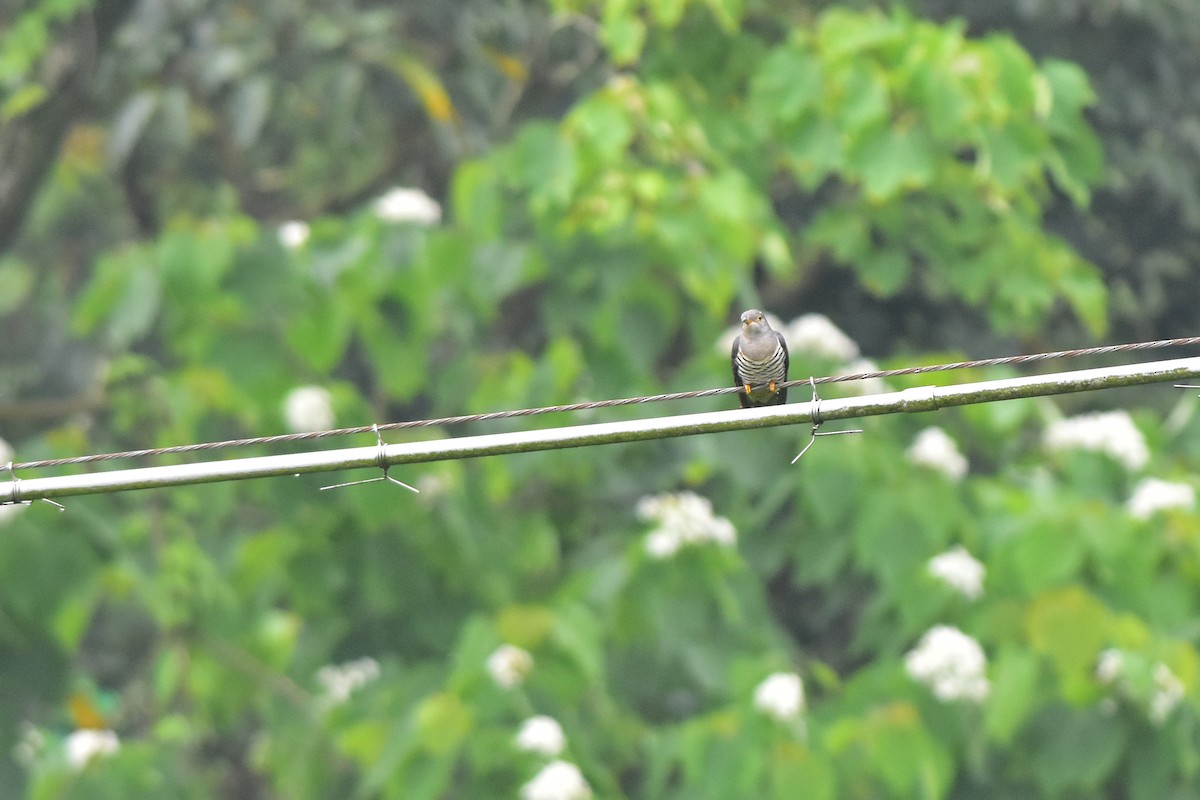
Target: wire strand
{"x":589,"y":406}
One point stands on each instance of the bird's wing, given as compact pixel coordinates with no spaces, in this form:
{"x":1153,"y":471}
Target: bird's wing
{"x":787,"y":359}
{"x":737,"y":343}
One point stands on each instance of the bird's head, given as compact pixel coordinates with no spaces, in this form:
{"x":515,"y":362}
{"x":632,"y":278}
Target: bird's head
{"x":754,"y":323}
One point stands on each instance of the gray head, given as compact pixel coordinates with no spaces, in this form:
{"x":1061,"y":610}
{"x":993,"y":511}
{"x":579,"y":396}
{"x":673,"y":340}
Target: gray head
{"x":755,"y":325}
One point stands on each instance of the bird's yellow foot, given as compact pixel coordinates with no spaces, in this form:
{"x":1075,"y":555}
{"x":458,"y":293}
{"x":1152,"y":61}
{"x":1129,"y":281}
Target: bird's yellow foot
{"x":747,"y":387}
{"x":771,"y":386}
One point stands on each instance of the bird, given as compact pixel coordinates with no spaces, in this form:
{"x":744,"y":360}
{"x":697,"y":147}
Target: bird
{"x":760,"y":362}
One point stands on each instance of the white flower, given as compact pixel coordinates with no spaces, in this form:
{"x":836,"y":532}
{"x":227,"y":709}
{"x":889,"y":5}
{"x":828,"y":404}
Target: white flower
{"x":1110,"y":666}
{"x":959,"y":570}
{"x":308,"y":408}
{"x":934,"y":448}
{"x":408,"y":205}
{"x":867,"y":386}
{"x":509,"y":665}
{"x":293,"y":234}
{"x":558,"y":780}
{"x":84,"y":745}
{"x":342,"y":680}
{"x":816,"y":335}
{"x":542,"y":735}
{"x":1153,"y":495}
{"x":1111,"y":432}
{"x":780,"y":695}
{"x":30,"y":745}
{"x":683,"y":518}
{"x":10,"y":510}
{"x":951,"y":663}
{"x":1168,"y":691}
{"x":662,"y":543}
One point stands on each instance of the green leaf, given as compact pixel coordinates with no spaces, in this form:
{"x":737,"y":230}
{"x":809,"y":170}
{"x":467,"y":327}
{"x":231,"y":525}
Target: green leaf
{"x":319,"y":330}
{"x":728,"y":13}
{"x":401,"y":368}
{"x":624,"y":34}
{"x":667,"y":13}
{"x":22,"y":101}
{"x":1011,"y":153}
{"x":903,"y":754}
{"x":1013,"y":72}
{"x":860,"y":90}
{"x":443,"y":722}
{"x":1071,"y":627}
{"x":1073,"y":749}
{"x":500,"y":268}
{"x":1014,"y":677}
{"x":250,"y":105}
{"x":793,"y":766}
{"x":1084,"y":287}
{"x":815,"y":150}
{"x":786,"y":85}
{"x":129,"y":125}
{"x":123,"y":297}
{"x":843,"y":231}
{"x":884,"y":271}
{"x":543,"y":160}
{"x":477,"y":198}
{"x":17,"y":280}
{"x":1046,"y":553}
{"x":604,"y":126}
{"x":1071,"y":92}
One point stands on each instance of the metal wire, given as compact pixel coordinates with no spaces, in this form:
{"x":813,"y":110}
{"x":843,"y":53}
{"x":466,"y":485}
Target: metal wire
{"x":913,"y":400}
{"x":588,"y":406}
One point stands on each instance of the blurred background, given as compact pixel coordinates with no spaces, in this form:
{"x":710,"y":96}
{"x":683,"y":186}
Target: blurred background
{"x":222,"y":219}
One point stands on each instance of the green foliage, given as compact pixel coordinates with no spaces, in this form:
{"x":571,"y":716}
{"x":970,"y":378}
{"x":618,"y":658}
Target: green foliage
{"x":269,"y":639}
{"x":22,"y":46}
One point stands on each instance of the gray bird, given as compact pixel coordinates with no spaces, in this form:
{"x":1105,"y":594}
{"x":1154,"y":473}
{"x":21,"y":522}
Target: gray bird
{"x":760,"y":362}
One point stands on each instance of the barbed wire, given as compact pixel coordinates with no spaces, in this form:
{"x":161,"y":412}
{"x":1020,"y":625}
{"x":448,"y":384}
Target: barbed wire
{"x":597,"y":404}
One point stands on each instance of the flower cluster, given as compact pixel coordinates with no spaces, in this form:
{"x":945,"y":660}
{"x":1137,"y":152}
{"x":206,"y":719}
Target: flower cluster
{"x":509,"y":665}
{"x":308,"y":408}
{"x":1110,"y":667}
{"x":408,"y":205}
{"x":30,"y":744}
{"x":541,"y":735}
{"x":959,"y":570}
{"x":682,"y":518}
{"x":293,"y":234}
{"x":83,"y":746}
{"x":1165,"y":692}
{"x":933,"y":448}
{"x":816,"y":335}
{"x":341,"y":680}
{"x":1168,"y":691}
{"x":1153,"y":495}
{"x":558,"y":780}
{"x":951,"y":663}
{"x":1111,"y":432}
{"x":780,"y":695}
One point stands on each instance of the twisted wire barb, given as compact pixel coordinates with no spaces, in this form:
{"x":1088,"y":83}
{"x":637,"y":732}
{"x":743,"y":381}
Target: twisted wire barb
{"x":588,"y":406}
